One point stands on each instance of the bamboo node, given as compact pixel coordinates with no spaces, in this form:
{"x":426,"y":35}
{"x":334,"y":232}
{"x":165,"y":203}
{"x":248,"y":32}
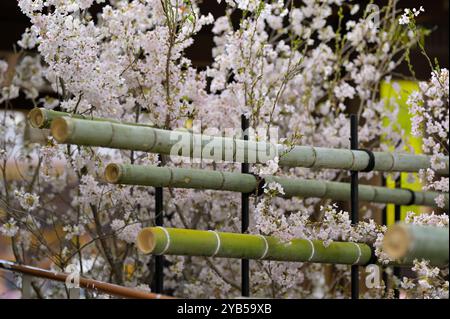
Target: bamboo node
{"x":359,"y":254}
{"x":166,"y":248}
{"x":313,"y":149}
{"x":313,"y":249}
{"x":218,"y":243}
{"x":266,"y":247}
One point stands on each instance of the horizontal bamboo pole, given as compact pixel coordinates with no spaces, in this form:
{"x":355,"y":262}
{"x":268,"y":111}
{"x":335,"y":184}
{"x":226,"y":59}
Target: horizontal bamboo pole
{"x":179,"y":178}
{"x":110,"y":289}
{"x":143,"y":138}
{"x":175,"y":241}
{"x":42,"y":118}
{"x":247,"y":183}
{"x":405,"y":242}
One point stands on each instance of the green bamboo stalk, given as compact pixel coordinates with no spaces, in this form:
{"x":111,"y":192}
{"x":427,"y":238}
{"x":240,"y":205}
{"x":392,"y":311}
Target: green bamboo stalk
{"x":153,"y":140}
{"x":247,"y":183}
{"x":179,"y":178}
{"x":405,"y":242}
{"x":341,"y":192}
{"x":175,"y":241}
{"x":42,"y":118}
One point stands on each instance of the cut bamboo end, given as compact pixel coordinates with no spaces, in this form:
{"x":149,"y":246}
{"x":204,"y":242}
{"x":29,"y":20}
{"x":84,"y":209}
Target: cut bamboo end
{"x":61,"y":129}
{"x":37,"y":118}
{"x":397,"y":242}
{"x":113,"y":173}
{"x":146,"y":241}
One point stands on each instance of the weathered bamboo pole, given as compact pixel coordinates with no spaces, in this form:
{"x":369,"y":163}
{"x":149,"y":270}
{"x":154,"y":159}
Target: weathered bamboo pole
{"x":110,"y":289}
{"x":42,"y":118}
{"x":405,"y":242}
{"x":247,"y":183}
{"x":143,"y":138}
{"x":175,"y":241}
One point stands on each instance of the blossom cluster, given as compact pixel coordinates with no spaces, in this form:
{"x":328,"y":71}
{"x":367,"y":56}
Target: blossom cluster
{"x":429,"y":107}
{"x":409,"y":15}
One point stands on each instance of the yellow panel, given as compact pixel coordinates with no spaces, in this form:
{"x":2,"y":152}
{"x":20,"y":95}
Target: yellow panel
{"x":388,"y":93}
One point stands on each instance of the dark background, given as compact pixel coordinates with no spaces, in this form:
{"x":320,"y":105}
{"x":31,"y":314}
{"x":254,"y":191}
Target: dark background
{"x":13,"y":22}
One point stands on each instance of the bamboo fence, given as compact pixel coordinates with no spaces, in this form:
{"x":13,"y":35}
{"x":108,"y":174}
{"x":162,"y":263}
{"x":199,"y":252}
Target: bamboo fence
{"x":403,"y":243}
{"x":91,"y":284}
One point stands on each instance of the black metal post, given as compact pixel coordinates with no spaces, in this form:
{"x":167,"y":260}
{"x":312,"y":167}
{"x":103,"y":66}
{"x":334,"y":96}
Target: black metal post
{"x":384,"y":222}
{"x":397,"y":214}
{"x":398,"y":208}
{"x":159,"y":221}
{"x":384,"y":219}
{"x":245,"y":265}
{"x":354,"y":201}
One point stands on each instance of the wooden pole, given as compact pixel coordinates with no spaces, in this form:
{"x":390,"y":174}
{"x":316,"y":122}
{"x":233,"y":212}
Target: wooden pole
{"x":110,"y":289}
